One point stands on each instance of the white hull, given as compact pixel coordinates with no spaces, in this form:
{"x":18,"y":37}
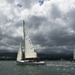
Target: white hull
{"x":26,"y":62}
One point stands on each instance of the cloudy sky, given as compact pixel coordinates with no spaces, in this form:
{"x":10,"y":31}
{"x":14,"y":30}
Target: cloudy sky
{"x":51,"y":26}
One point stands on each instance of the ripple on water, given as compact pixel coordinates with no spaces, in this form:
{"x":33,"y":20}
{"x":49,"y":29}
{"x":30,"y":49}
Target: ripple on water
{"x":51,"y":68}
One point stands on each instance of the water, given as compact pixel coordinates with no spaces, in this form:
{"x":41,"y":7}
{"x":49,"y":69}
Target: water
{"x":51,"y":68}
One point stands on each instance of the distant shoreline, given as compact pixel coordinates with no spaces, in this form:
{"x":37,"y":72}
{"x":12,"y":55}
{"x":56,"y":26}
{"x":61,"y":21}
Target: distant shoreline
{"x":13,"y":55}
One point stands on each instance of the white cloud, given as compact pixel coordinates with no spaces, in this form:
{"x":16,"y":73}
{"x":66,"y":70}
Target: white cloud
{"x":48,"y":22}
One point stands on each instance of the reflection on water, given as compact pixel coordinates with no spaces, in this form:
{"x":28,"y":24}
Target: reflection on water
{"x":51,"y":68}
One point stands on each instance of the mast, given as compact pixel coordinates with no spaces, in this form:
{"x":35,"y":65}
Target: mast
{"x":24,"y":35}
{"x":28,"y":47}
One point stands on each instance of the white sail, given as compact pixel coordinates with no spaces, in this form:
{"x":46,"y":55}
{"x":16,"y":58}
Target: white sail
{"x":29,"y":50}
{"x":19,"y":56}
{"x":74,"y":55}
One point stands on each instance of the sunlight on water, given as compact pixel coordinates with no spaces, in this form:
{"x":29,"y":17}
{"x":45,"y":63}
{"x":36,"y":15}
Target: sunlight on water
{"x":51,"y":68}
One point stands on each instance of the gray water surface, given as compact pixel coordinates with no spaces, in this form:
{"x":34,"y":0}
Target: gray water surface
{"x":51,"y":68}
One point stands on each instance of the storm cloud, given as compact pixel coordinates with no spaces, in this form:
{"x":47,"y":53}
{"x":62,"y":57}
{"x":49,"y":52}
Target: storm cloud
{"x":51,"y":26}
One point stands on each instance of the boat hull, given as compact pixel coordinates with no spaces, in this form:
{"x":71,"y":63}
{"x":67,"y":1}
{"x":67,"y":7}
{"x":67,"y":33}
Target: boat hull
{"x":31,"y":63}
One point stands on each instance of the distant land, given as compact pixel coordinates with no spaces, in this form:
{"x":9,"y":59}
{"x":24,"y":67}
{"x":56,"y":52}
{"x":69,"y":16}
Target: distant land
{"x":42,"y":56}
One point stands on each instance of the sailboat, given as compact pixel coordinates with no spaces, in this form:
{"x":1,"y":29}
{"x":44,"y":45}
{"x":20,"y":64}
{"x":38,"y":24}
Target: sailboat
{"x":29,"y":56}
{"x":73,"y":55}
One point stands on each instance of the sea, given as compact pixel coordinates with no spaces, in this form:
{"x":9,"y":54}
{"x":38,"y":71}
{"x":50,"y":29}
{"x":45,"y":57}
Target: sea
{"x":51,"y":68}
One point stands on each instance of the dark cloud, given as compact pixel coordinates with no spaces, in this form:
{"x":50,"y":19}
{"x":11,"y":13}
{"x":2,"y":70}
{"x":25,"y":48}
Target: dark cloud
{"x":71,"y":17}
{"x":45,"y":31}
{"x":18,"y":24}
{"x":60,"y":36}
{"x":56,"y":35}
{"x":10,"y":40}
{"x":71,"y":14}
{"x":55,"y":49}
{"x":10,"y":1}
{"x":3,"y":18}
{"x":0,"y":36}
{"x":35,"y":21}
{"x":55,"y":12}
{"x":25,"y":3}
{"x":28,"y":3}
{"x":39,"y":38}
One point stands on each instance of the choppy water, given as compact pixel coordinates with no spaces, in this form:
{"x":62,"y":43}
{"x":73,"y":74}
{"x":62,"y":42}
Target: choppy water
{"x":51,"y":68}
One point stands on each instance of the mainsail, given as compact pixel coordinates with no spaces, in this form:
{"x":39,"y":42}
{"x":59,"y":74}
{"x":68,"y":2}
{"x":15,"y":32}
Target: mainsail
{"x":29,"y":50}
{"x":74,"y":54}
{"x":19,"y":56}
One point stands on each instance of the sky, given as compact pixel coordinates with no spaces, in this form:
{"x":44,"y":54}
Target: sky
{"x":51,"y":26}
